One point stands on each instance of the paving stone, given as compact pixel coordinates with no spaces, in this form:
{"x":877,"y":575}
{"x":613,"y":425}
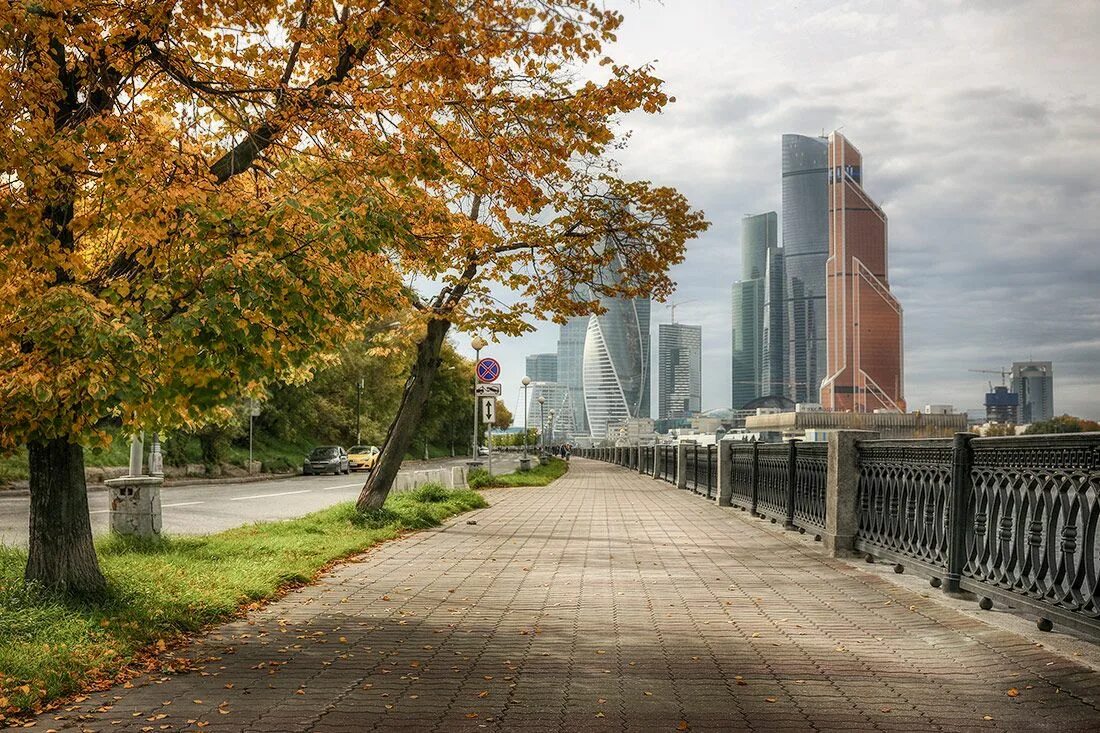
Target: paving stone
{"x":606,"y":602}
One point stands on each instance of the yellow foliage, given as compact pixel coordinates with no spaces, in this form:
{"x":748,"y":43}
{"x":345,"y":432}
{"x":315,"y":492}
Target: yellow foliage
{"x":200,"y":197}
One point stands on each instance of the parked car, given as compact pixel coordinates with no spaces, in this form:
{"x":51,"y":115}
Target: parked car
{"x":326,"y":459}
{"x":363,"y":457}
{"x":483,"y":450}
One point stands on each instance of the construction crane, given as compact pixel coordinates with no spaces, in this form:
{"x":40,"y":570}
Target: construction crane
{"x":1003,"y":372}
{"x":672,"y":307}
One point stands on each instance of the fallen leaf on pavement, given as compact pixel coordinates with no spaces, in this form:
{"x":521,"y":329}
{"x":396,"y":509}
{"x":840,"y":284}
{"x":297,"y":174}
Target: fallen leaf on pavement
{"x":1013,"y":692}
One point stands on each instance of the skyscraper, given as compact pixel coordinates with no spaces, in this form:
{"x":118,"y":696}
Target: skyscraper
{"x":756,"y":326}
{"x":616,"y":360}
{"x":679,"y":370}
{"x":556,"y":397}
{"x":865,"y":348}
{"x":773,"y":345}
{"x":1033,"y":381}
{"x":805,"y":249}
{"x":542,"y":367}
{"x":571,"y":367}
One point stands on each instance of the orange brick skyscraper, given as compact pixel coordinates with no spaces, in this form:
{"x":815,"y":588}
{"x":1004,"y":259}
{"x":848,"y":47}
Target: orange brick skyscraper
{"x":865,"y":362}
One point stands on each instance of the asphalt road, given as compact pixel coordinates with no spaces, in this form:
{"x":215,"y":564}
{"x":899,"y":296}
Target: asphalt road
{"x":205,"y":508}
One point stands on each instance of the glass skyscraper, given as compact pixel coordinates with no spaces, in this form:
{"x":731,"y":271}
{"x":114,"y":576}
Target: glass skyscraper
{"x":1033,"y":381}
{"x":756,"y":308}
{"x":679,"y":370}
{"x":865,"y":369}
{"x":616,"y":360}
{"x":571,"y":368}
{"x":805,"y":249}
{"x":542,"y":367}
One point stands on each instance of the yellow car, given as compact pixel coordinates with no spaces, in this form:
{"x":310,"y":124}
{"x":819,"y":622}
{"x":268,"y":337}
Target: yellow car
{"x":362,"y":457}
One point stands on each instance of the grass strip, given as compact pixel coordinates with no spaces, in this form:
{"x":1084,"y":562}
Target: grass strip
{"x":159,"y":589}
{"x":538,"y":476}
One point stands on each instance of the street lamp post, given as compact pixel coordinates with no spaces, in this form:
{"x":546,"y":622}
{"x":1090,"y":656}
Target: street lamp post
{"x":477,"y":344}
{"x":358,"y":411}
{"x":551,"y":431}
{"x":525,"y":382}
{"x":542,"y":424}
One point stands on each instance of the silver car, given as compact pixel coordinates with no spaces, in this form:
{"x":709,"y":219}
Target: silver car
{"x":326,"y":459}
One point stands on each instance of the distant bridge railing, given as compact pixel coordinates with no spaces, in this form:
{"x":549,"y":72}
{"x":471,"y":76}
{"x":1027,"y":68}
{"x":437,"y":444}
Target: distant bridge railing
{"x":1013,"y":520}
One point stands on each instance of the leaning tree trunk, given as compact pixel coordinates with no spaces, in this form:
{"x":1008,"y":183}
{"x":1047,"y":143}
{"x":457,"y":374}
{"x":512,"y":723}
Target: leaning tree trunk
{"x":418,"y":388}
{"x":61,"y":555}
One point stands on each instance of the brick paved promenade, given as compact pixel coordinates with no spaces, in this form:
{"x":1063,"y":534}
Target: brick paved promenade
{"x":607,"y":602}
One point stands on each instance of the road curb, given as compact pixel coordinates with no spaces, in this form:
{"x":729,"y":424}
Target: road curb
{"x":23,"y":491}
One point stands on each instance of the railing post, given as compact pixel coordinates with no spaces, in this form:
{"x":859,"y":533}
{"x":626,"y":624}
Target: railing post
{"x":640,"y":452}
{"x":755,"y":476}
{"x":725,"y":473}
{"x":681,"y":463}
{"x":958,"y":519}
{"x":792,"y":482}
{"x":658,"y":460}
{"x":695,"y":468}
{"x":842,"y":490}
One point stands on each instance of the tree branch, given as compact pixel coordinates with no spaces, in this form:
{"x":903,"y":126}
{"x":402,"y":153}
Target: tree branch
{"x":241,"y":157}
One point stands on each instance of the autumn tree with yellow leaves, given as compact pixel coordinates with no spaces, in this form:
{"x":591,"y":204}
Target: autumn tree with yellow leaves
{"x":201,"y":195}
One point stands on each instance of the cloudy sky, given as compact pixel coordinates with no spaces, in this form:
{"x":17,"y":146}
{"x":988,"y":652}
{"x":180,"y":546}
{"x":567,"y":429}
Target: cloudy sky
{"x":979,"y":124}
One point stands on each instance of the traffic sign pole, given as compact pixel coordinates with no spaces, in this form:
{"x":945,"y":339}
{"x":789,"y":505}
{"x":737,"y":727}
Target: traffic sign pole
{"x":490,"y":413}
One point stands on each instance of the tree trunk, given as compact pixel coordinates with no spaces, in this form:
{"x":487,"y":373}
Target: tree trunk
{"x":418,"y":388}
{"x":61,"y":555}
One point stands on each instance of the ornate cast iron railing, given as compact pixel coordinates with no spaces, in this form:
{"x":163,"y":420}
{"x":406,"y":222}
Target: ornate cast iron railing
{"x":811,"y":463}
{"x":1034,"y":512}
{"x":702,"y":469}
{"x":742,"y":469}
{"x":691,"y":463}
{"x":903,"y":499}
{"x":773,"y":474}
{"x":1013,"y":519}
{"x":712,"y":471}
{"x":668,"y":463}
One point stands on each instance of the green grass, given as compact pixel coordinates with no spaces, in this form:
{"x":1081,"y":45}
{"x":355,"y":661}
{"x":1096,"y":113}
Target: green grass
{"x":537,"y":476}
{"x":276,"y":455}
{"x":50,"y":647}
{"x":15,"y":467}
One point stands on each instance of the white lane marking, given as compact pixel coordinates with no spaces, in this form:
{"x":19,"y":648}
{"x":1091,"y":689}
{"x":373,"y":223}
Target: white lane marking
{"x":182,"y":503}
{"x":99,"y":511}
{"x":265,"y":496}
{"x":341,"y":486}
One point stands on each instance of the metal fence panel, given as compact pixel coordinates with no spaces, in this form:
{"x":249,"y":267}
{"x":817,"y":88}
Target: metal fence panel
{"x":741,"y":474}
{"x":669,"y":458}
{"x":772,"y":480}
{"x":811,"y":465}
{"x":1035,"y":511}
{"x":903,"y":493}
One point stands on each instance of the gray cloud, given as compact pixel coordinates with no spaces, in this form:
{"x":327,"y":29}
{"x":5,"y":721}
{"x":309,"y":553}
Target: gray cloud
{"x":983,"y":150}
